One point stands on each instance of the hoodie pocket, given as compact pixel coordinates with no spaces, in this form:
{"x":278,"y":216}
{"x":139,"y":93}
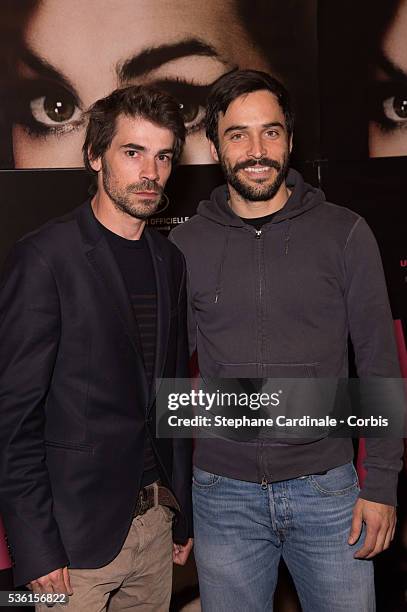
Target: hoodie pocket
{"x":301,"y":395}
{"x":290,"y":370}
{"x":300,"y":402}
{"x":238,"y":370}
{"x":266,"y":370}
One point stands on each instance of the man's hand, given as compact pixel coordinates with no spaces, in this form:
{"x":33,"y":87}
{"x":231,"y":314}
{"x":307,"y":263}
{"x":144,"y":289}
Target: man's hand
{"x":181,"y":552}
{"x":54,"y":582}
{"x":380,"y":521}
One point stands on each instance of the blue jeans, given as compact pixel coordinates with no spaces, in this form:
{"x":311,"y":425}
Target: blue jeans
{"x":242,"y":530}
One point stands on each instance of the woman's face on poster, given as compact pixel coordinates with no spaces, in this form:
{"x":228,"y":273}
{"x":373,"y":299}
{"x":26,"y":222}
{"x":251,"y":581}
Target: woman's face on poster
{"x":77,"y":52}
{"x":388,"y":125}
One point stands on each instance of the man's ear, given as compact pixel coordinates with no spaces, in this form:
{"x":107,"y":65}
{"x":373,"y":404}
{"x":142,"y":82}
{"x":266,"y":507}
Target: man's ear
{"x":214,"y":152}
{"x":95,"y":164}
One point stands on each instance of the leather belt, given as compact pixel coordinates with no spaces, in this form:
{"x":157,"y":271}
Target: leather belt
{"x":153,"y":495}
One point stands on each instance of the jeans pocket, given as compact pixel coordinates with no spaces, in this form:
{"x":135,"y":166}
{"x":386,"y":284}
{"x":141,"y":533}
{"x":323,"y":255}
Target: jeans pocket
{"x":203,"y":479}
{"x":338,"y":481}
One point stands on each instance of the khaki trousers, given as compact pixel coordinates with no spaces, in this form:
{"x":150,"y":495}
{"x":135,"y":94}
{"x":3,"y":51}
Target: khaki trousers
{"x":139,"y":578}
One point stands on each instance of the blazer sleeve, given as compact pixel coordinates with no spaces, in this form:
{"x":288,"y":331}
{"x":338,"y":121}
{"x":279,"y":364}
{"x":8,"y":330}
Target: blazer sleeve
{"x":372,"y":334}
{"x":29,"y":336}
{"x":182,"y":455}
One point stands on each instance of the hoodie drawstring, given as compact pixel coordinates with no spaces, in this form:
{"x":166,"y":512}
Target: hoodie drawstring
{"x":222,"y":260}
{"x":287,"y":237}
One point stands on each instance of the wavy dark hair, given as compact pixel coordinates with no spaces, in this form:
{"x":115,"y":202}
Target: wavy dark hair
{"x":134,"y":101}
{"x":237,"y":83}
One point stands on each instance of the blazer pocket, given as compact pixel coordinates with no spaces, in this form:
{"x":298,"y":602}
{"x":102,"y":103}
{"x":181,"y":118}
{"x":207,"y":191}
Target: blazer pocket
{"x":68,"y":445}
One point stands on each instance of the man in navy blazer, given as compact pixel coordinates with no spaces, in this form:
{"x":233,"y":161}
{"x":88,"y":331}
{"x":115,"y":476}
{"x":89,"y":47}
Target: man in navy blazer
{"x":92,"y":312}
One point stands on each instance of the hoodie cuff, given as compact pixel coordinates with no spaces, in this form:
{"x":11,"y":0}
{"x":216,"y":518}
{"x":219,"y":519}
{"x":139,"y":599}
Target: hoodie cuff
{"x":380,"y":486}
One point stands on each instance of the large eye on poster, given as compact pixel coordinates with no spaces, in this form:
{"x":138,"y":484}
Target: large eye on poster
{"x":61,"y":56}
{"x":363,"y":87}
{"x":388,"y":84}
{"x":363,"y":78}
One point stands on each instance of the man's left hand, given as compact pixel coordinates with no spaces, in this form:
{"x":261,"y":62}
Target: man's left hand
{"x":380,"y":521}
{"x":181,"y":552}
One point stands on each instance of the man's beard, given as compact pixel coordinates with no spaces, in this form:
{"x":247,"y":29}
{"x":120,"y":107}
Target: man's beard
{"x":256,"y":192}
{"x":123,"y":196}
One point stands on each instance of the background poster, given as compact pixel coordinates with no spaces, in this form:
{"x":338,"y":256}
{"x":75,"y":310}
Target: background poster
{"x":59,"y":57}
{"x":363,"y":78}
{"x":362,"y":55}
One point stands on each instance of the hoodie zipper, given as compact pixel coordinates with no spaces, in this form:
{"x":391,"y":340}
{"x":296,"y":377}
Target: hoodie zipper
{"x":258,"y":236}
{"x":259,"y":233}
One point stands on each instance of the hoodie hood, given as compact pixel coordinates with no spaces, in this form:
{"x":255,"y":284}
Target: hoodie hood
{"x":303,"y":197}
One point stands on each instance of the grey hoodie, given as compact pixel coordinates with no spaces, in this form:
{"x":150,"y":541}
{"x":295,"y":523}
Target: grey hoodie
{"x":281,"y":302}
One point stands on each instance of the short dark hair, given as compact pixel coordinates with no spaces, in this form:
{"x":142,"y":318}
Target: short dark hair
{"x":133,"y":101}
{"x":237,"y":83}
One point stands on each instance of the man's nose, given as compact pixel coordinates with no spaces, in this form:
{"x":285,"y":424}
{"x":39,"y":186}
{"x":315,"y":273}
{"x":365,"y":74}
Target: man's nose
{"x":256,"y":148}
{"x":149,"y":170}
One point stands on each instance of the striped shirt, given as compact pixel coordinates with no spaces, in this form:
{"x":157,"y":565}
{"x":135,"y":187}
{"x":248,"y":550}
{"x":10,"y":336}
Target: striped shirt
{"x":134,"y":260}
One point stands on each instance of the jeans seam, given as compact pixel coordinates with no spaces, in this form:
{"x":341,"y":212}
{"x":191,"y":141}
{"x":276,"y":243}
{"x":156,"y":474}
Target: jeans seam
{"x":338,"y":492}
{"x":205,"y":486}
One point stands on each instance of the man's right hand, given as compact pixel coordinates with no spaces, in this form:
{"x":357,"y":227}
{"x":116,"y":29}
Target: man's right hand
{"x":54,"y":582}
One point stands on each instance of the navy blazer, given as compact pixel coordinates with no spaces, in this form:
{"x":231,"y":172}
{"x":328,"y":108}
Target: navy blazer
{"x":74,"y":399}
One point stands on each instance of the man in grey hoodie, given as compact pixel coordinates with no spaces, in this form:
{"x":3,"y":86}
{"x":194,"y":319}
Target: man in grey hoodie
{"x":278,"y":281}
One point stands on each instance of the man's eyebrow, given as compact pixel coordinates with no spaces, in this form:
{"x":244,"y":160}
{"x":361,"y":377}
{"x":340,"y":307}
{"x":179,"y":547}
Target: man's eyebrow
{"x":232,"y":128}
{"x":154,"y":57}
{"x":46,"y":70}
{"x":136,"y":147}
{"x":132,"y":145}
{"x":391,"y":69}
{"x":162,"y":151}
{"x":274,"y":124}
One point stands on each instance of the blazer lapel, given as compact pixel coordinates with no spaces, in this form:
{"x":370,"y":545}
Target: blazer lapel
{"x":163,"y":314}
{"x":106,"y":269}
